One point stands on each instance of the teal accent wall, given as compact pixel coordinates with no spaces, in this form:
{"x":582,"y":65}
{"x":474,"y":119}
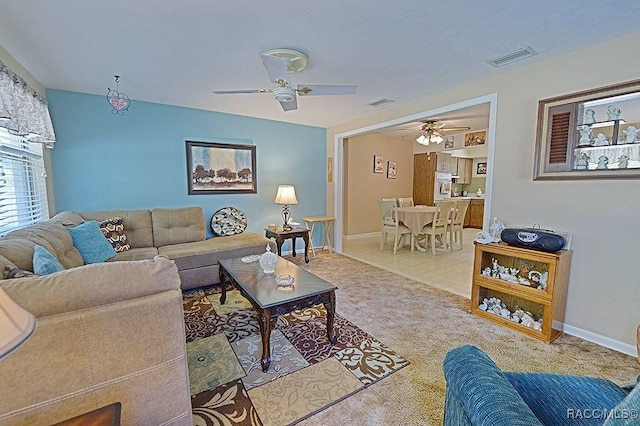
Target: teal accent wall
{"x":103,"y":161}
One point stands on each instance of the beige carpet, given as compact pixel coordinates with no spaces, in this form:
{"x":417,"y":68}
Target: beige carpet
{"x":423,"y":323}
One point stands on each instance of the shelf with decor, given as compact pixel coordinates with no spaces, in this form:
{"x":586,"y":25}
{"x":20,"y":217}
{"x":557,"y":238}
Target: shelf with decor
{"x":524,"y":290}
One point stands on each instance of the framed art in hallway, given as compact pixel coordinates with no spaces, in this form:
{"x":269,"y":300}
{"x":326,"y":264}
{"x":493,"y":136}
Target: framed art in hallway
{"x":219,"y":168}
{"x":392,"y":169}
{"x":482,"y":168}
{"x":378,"y":164}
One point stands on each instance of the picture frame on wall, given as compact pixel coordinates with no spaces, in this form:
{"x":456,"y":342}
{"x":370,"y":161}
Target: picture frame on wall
{"x":220,"y":168}
{"x":448,"y":142}
{"x":475,"y":138}
{"x":482,"y":169}
{"x":378,"y":164}
{"x":392,"y":169}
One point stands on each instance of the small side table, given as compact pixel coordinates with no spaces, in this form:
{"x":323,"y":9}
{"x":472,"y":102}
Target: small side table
{"x":326,"y":223}
{"x":280,"y":235}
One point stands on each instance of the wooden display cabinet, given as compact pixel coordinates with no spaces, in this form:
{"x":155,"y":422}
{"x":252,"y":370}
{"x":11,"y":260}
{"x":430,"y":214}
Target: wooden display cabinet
{"x":548,"y":303}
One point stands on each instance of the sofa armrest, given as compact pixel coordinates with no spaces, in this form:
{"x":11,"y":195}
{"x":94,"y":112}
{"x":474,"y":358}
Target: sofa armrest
{"x":93,"y":285}
{"x":479,"y":394}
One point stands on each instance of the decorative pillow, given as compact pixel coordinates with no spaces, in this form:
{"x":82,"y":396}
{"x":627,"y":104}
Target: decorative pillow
{"x":113,"y":230}
{"x":91,"y":243}
{"x":44,"y":263}
{"x":228,"y":221}
{"x":10,"y":272}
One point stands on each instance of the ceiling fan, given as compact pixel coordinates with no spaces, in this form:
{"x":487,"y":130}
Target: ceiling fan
{"x":432,"y":131}
{"x":279,"y":63}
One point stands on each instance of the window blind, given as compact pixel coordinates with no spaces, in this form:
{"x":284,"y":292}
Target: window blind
{"x":23,"y":192}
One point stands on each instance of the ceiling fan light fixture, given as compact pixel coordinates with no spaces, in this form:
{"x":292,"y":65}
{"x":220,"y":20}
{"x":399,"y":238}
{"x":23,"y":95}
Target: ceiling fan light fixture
{"x":284,"y":94}
{"x":426,"y":140}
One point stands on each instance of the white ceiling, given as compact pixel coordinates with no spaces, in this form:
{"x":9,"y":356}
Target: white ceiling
{"x":177,"y":52}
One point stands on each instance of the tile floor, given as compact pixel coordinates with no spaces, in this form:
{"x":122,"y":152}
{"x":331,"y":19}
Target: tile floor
{"x":450,"y":271}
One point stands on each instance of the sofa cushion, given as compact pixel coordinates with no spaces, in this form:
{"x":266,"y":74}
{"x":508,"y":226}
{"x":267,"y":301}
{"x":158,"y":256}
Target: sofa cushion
{"x":91,"y":243}
{"x":176,"y":226}
{"x":141,"y":253}
{"x":210,"y":251}
{"x":137,"y":224}
{"x":17,"y":246}
{"x":44,"y":263}
{"x":113,"y":230}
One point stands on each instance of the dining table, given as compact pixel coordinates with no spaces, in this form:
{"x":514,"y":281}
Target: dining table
{"x":415,"y":218}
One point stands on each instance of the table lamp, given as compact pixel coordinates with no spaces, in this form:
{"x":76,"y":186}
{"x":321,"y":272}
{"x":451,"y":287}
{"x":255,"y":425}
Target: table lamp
{"x":286,"y":195}
{"x":16,"y":325}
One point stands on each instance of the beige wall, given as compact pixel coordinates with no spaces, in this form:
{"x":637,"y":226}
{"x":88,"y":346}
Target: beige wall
{"x":16,"y":67}
{"x":604,"y":287}
{"x":364,"y":187}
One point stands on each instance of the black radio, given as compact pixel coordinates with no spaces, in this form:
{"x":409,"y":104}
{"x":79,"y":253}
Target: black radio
{"x":532,"y":238}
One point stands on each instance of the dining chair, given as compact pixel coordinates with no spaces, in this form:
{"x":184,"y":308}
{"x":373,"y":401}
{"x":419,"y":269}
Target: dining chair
{"x":456,"y":223}
{"x":391,"y":225}
{"x":395,"y":200}
{"x":405,"y":202}
{"x":440,"y":225}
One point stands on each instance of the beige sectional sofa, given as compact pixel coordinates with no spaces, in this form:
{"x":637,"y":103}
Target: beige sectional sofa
{"x":112,"y":331}
{"x":179,"y":234}
{"x":105,"y":333}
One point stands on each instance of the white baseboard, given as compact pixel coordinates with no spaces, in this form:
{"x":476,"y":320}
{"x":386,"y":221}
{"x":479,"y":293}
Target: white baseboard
{"x":601,"y":340}
{"x":360,"y":236}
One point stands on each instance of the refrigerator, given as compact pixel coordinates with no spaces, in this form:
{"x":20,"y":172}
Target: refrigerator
{"x":442,"y":187}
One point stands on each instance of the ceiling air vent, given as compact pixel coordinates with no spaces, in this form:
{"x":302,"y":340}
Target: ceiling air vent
{"x":514,"y":56}
{"x":381,"y":102}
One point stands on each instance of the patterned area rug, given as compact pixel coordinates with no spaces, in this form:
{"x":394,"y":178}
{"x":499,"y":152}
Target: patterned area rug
{"x":307,"y":373}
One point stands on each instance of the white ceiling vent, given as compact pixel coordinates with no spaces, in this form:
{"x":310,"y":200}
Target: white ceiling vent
{"x":381,"y":102}
{"x":514,"y":56}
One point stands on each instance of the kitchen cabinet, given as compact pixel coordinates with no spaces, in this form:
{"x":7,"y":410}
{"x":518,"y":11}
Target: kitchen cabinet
{"x":424,"y":172}
{"x":446,"y":163}
{"x":475,"y":214}
{"x":464,"y":168}
{"x":524,"y":281}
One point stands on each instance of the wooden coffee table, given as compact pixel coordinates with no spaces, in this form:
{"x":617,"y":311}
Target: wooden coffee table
{"x":270,"y":300}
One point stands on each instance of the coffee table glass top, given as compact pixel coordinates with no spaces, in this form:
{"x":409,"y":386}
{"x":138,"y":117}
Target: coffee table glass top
{"x":262,"y":288}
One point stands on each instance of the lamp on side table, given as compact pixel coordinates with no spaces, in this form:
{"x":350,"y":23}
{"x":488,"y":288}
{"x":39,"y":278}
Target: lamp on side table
{"x":286,"y":195}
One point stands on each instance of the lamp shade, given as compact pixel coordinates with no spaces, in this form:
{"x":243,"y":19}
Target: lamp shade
{"x":16,"y":324}
{"x":286,"y":195}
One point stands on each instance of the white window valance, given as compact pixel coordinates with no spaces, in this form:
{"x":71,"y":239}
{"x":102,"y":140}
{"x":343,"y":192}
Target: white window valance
{"x":23,"y":111}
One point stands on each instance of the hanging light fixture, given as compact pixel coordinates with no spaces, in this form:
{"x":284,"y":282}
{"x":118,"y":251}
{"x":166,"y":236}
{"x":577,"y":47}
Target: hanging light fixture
{"x":119,"y":101}
{"x":430,"y":136}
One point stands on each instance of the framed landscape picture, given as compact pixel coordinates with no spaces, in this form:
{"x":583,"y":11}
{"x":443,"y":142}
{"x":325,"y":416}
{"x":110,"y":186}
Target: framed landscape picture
{"x":219,"y":168}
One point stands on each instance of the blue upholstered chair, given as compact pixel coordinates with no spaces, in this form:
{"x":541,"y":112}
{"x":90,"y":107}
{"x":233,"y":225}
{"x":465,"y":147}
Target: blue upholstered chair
{"x":479,"y":393}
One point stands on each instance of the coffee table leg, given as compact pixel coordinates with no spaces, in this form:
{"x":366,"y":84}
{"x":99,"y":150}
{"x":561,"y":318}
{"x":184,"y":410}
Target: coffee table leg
{"x":267,"y":323}
{"x":223,"y":285}
{"x":330,"y":306}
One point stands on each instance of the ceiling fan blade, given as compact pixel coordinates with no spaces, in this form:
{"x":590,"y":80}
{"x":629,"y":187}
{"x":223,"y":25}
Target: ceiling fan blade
{"x":455,"y":129}
{"x":289,"y":106}
{"x":276,"y":69}
{"x":233,"y":92}
{"x":325,"y":89}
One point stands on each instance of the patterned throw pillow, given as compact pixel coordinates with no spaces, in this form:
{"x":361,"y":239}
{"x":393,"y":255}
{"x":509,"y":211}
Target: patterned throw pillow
{"x":113,"y":230}
{"x":10,"y":272}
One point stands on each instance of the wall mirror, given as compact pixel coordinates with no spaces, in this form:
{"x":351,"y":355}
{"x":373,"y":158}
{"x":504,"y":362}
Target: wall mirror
{"x":593,"y":134}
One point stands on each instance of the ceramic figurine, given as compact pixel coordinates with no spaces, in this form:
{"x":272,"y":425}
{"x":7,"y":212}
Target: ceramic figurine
{"x":589,"y":116}
{"x":585,"y":136}
{"x":600,"y":140}
{"x":614,"y":113}
{"x":623,"y":161}
{"x":582,"y":161}
{"x":603,"y":162}
{"x":630,"y":134}
{"x":496,"y":228}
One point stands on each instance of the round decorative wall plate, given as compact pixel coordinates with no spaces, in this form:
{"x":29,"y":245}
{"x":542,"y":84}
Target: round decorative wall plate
{"x":228,"y":221}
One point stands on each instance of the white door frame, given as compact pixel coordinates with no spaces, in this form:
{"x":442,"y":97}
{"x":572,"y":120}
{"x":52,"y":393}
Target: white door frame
{"x":338,"y":210}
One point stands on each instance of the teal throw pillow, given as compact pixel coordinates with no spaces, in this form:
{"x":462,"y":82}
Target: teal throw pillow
{"x":44,"y":263}
{"x":91,"y":242}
